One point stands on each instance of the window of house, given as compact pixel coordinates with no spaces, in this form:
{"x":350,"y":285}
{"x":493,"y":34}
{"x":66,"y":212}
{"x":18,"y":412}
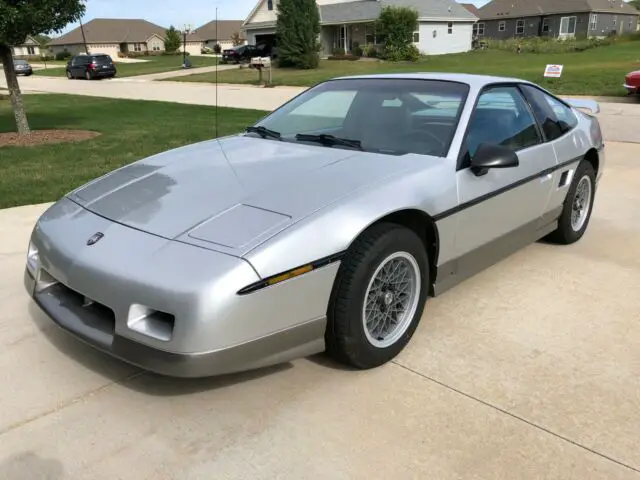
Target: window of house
{"x":450,"y":28}
{"x":593,"y":23}
{"x":545,"y":25}
{"x":615,"y":19}
{"x":568,"y":26}
{"x":31,"y":50}
{"x":137,"y":47}
{"x":416,"y":37}
{"x":520,"y":27}
{"x":502,"y":26}
{"x":478,"y":28}
{"x":156,"y":48}
{"x":269,"y":4}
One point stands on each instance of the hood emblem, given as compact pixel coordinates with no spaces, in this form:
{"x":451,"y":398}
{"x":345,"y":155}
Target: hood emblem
{"x":95,"y":238}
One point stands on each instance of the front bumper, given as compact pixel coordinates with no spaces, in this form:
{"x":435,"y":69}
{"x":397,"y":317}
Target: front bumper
{"x":631,"y":89}
{"x":299,"y":341}
{"x":103,"y":294}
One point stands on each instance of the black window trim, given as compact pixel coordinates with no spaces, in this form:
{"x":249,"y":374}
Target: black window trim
{"x":489,"y":86}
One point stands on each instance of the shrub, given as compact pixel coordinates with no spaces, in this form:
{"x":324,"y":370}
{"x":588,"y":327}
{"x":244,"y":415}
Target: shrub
{"x":63,"y":55}
{"x":371,"y":51}
{"x":217,"y":49}
{"x":396,"y":25}
{"x":547,"y":45}
{"x":357,"y":49}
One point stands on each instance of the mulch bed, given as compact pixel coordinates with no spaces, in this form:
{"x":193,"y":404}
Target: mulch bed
{"x":44,"y":137}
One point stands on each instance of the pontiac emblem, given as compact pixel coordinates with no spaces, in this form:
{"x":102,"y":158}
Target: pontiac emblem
{"x":95,"y":238}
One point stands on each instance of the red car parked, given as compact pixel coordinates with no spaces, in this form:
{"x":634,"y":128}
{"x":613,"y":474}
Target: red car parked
{"x":632,"y":82}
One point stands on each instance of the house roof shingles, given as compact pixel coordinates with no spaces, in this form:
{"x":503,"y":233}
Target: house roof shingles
{"x":524,"y":8}
{"x":226,"y":29}
{"x":367,"y":10}
{"x":472,"y":8}
{"x":111,"y":30}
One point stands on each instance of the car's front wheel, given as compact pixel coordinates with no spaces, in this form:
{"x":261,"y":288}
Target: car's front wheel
{"x":576,"y":212}
{"x":379,"y":296}
{"x":69,"y":76}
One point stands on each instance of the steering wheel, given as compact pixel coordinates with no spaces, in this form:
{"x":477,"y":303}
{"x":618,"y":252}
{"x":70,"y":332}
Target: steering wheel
{"x":423,"y":137}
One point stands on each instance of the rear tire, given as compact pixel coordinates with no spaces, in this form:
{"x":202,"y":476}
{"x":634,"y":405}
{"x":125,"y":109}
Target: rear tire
{"x":378,"y":297}
{"x":576,"y":212}
{"x":88,"y":75}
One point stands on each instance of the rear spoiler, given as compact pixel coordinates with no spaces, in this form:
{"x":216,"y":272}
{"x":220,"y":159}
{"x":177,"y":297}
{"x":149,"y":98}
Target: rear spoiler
{"x":590,"y":105}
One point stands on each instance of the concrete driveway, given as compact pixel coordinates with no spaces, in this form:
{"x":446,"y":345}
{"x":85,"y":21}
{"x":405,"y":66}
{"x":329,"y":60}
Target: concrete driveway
{"x":530,"y":370}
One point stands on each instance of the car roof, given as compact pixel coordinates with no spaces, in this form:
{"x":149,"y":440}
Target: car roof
{"x":473,"y":80}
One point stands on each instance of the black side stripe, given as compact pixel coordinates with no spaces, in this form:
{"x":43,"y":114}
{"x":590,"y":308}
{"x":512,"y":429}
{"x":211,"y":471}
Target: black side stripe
{"x":500,"y":191}
{"x":322,"y":262}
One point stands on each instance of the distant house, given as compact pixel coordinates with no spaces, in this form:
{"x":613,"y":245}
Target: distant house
{"x":29,"y":48}
{"x":209,"y":35}
{"x":503,"y":19}
{"x":111,"y":36}
{"x":444,"y":25}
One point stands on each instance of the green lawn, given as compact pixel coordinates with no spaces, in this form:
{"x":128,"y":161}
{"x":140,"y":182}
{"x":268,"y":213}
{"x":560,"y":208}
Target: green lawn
{"x":155,"y":64}
{"x":131,"y":130}
{"x":598,"y":71}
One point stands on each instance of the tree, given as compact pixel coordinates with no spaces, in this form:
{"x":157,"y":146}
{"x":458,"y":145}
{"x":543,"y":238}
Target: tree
{"x":396,"y":25}
{"x":18,"y":20}
{"x":235,"y":39}
{"x":42,"y":39}
{"x":635,"y":4}
{"x":172,"y":40}
{"x":297,"y":30}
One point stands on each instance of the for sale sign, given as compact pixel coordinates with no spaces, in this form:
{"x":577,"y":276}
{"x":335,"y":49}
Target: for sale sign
{"x":553,"y":71}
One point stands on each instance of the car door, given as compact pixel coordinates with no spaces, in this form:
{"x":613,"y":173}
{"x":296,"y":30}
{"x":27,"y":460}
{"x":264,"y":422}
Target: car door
{"x":500,"y":211}
{"x":558,"y":124}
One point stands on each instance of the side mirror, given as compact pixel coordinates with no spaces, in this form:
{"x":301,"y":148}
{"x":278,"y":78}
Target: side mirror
{"x":490,"y":155}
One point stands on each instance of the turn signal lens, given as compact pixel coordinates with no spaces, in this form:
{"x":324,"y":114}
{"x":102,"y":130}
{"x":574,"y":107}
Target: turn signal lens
{"x":288,"y":275}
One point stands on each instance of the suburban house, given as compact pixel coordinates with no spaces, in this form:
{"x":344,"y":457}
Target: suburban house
{"x":223,"y":35}
{"x":110,"y":36}
{"x":444,"y":25}
{"x":503,"y":19}
{"x":29,"y":48}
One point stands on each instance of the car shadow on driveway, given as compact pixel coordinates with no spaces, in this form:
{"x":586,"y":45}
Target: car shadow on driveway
{"x":140,"y":380}
{"x":29,"y":465}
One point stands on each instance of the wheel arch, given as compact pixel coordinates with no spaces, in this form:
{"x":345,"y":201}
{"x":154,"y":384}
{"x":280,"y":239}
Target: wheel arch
{"x":593,"y":158}
{"x":423,"y":225}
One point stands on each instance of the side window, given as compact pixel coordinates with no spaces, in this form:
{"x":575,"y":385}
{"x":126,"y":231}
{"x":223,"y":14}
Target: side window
{"x":556,"y":118}
{"x":501,"y":117}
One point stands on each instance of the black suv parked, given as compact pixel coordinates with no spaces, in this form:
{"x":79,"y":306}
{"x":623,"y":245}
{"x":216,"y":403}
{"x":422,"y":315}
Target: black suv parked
{"x":244,"y":53}
{"x":91,"y":66}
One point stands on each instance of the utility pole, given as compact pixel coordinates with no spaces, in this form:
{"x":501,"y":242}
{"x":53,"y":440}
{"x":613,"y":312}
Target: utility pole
{"x":84,"y":39}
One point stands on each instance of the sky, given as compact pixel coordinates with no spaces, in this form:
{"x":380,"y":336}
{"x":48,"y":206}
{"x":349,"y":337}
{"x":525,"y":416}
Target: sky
{"x":176,"y":12}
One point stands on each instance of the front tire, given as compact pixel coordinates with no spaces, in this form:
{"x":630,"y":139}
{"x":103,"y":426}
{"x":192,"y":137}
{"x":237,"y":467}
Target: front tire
{"x":69,"y":76}
{"x":88,"y":75}
{"x":578,"y":205}
{"x":378,"y":298}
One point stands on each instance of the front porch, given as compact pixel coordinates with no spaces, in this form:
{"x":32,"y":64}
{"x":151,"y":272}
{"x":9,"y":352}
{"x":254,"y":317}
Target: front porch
{"x":348,"y":37}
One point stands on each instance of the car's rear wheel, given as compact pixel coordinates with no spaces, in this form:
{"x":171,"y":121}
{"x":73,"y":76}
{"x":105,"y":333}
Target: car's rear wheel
{"x":88,"y":75}
{"x":379,"y":297}
{"x":576,"y":212}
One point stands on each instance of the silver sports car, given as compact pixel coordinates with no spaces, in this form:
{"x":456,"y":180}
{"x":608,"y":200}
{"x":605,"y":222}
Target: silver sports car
{"x":324,"y":226}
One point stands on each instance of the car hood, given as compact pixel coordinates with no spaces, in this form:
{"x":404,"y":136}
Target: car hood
{"x":232,"y":194}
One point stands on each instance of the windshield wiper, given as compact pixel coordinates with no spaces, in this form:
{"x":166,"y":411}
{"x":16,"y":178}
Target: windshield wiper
{"x":264,"y":132}
{"x":329,"y":140}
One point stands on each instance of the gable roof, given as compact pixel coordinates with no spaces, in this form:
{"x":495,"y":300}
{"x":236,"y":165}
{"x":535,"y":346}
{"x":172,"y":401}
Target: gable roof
{"x":525,"y":8}
{"x":472,"y":8}
{"x":111,"y":30}
{"x":226,"y":29}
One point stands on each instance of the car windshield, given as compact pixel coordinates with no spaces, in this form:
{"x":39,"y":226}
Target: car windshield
{"x":393,"y":116}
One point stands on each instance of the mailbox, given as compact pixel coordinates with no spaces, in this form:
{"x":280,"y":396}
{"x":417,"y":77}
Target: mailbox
{"x":261,"y":62}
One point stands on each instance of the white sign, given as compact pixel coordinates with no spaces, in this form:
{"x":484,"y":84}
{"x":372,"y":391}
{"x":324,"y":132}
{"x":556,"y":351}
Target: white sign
{"x":553,"y":71}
